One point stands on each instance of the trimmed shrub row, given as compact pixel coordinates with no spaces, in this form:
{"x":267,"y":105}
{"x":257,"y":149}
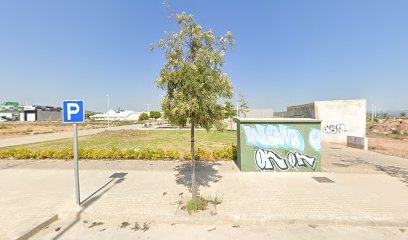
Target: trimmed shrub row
{"x":227,"y":153}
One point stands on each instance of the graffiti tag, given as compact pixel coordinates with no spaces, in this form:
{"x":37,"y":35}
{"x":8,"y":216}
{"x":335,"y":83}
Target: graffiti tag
{"x":267,"y":160}
{"x":314,"y":139}
{"x":334,"y":129}
{"x":269,"y":136}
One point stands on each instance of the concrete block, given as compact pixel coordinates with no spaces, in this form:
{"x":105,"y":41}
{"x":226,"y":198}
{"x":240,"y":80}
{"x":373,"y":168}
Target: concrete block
{"x":357,"y":142}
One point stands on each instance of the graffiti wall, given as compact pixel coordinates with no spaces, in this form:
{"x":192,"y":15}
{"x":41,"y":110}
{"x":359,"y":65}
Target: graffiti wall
{"x":302,"y":111}
{"x":279,"y":145}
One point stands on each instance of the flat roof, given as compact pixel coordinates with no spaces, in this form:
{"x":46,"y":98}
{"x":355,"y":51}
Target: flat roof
{"x":278,"y":120}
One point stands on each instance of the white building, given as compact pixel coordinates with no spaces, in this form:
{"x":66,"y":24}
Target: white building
{"x":126,"y":115}
{"x":340,"y":118}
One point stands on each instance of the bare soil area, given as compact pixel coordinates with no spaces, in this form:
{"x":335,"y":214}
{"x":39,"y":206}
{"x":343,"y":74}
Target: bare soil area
{"x":388,"y":145}
{"x":389,"y":136}
{"x":17,"y":129}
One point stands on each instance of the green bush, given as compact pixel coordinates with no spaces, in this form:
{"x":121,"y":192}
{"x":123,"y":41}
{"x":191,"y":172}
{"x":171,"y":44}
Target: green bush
{"x":228,"y":153}
{"x":143,"y":117}
{"x":155,"y":115}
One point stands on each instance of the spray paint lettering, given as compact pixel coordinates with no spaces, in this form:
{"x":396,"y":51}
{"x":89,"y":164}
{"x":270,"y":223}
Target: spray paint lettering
{"x":314,"y":139}
{"x":267,"y":160}
{"x":335,"y":129}
{"x":270,"y":136}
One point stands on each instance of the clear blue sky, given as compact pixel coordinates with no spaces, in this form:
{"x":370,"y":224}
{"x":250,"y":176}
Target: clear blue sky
{"x":287,"y":52}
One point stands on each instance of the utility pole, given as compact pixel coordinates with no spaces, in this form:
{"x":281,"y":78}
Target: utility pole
{"x":375,"y":112}
{"x":237,"y":106}
{"x":372,"y":113}
{"x":108,"y":111}
{"x":148,"y":107}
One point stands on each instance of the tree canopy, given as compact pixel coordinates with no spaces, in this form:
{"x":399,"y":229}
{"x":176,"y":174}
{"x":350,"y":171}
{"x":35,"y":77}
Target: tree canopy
{"x":143,"y":117}
{"x":155,"y":114}
{"x":192,"y":76}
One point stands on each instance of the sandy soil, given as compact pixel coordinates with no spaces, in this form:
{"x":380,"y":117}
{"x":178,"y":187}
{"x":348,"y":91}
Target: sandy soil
{"x":16,"y":129}
{"x":388,"y":145}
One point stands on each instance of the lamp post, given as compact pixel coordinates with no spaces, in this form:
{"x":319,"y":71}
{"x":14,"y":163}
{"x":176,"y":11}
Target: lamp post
{"x":108,"y":110}
{"x":148,"y":107}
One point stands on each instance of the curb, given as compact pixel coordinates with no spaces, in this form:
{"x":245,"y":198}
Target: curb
{"x":254,"y":221}
{"x":38,"y":227}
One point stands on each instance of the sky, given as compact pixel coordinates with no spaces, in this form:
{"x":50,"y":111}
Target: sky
{"x":286,"y":52}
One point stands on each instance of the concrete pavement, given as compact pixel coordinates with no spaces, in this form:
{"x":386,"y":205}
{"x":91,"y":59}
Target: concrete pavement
{"x":368,"y":190}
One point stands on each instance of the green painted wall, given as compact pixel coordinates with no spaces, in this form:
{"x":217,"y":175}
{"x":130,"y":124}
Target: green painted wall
{"x":285,"y":145}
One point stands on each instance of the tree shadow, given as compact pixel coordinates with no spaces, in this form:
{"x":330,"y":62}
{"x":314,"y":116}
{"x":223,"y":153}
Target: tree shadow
{"x":119,"y":177}
{"x":205,"y":173}
{"x":393,"y":171}
{"x":397,"y":172}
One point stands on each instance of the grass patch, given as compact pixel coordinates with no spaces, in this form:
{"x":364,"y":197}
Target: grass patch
{"x":202,"y":203}
{"x":2,"y":126}
{"x":167,"y":140}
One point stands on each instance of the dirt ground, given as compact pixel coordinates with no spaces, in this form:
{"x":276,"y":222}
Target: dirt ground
{"x":388,"y":145}
{"x":389,"y":136}
{"x":17,"y":129}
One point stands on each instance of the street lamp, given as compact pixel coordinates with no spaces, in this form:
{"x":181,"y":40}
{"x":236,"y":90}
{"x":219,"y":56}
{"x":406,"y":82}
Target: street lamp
{"x":148,"y":107}
{"x":107,"y":95}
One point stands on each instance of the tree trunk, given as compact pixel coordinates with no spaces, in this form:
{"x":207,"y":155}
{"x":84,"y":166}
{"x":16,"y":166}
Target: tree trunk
{"x":193,"y":175}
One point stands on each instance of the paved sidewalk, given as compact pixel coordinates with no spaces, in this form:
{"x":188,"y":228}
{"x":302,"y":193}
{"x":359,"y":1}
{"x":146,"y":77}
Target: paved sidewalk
{"x":150,"y":191}
{"x":55,"y":136}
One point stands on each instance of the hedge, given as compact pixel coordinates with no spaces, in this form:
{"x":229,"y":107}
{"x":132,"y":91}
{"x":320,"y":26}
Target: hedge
{"x":227,"y":153}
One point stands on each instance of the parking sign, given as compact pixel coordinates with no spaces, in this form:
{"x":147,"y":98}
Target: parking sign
{"x":73,"y":111}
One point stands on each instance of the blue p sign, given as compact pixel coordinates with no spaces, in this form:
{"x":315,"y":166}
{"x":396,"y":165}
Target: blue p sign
{"x":73,"y":111}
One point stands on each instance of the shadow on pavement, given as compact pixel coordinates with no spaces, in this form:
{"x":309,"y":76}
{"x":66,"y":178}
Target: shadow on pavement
{"x":395,"y":172}
{"x":116,"y":178}
{"x":205,"y":172}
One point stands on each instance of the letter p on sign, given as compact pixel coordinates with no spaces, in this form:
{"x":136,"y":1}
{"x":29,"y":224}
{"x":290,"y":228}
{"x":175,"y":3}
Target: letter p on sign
{"x":73,"y":111}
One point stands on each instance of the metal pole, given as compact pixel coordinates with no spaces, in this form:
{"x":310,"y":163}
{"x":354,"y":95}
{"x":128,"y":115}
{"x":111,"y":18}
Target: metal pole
{"x":375,"y":112}
{"x":108,"y":111}
{"x":76,"y":169}
{"x":372,"y":113}
{"x":148,"y":107}
{"x":237,"y":107}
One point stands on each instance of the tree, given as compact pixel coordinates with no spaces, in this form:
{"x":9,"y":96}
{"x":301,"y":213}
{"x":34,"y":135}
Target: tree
{"x":143,"y":117}
{"x":384,"y":115}
{"x":193,"y":80}
{"x":229,"y":112}
{"x":243,"y":105}
{"x":402,"y":114}
{"x":155,"y":115}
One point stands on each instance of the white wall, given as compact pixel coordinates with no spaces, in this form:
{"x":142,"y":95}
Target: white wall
{"x":341,"y":118}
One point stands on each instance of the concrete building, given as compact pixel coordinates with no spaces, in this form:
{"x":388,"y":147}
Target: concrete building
{"x":40,"y":113}
{"x":340,"y":118}
{"x":13,"y":111}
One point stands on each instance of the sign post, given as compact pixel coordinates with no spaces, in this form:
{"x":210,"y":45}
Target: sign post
{"x":73,"y":112}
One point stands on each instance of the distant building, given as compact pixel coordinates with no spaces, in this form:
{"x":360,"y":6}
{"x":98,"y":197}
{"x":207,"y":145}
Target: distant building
{"x":40,"y":113}
{"x":13,"y":111}
{"x":10,"y":111}
{"x":125,"y":115}
{"x":340,"y":118}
